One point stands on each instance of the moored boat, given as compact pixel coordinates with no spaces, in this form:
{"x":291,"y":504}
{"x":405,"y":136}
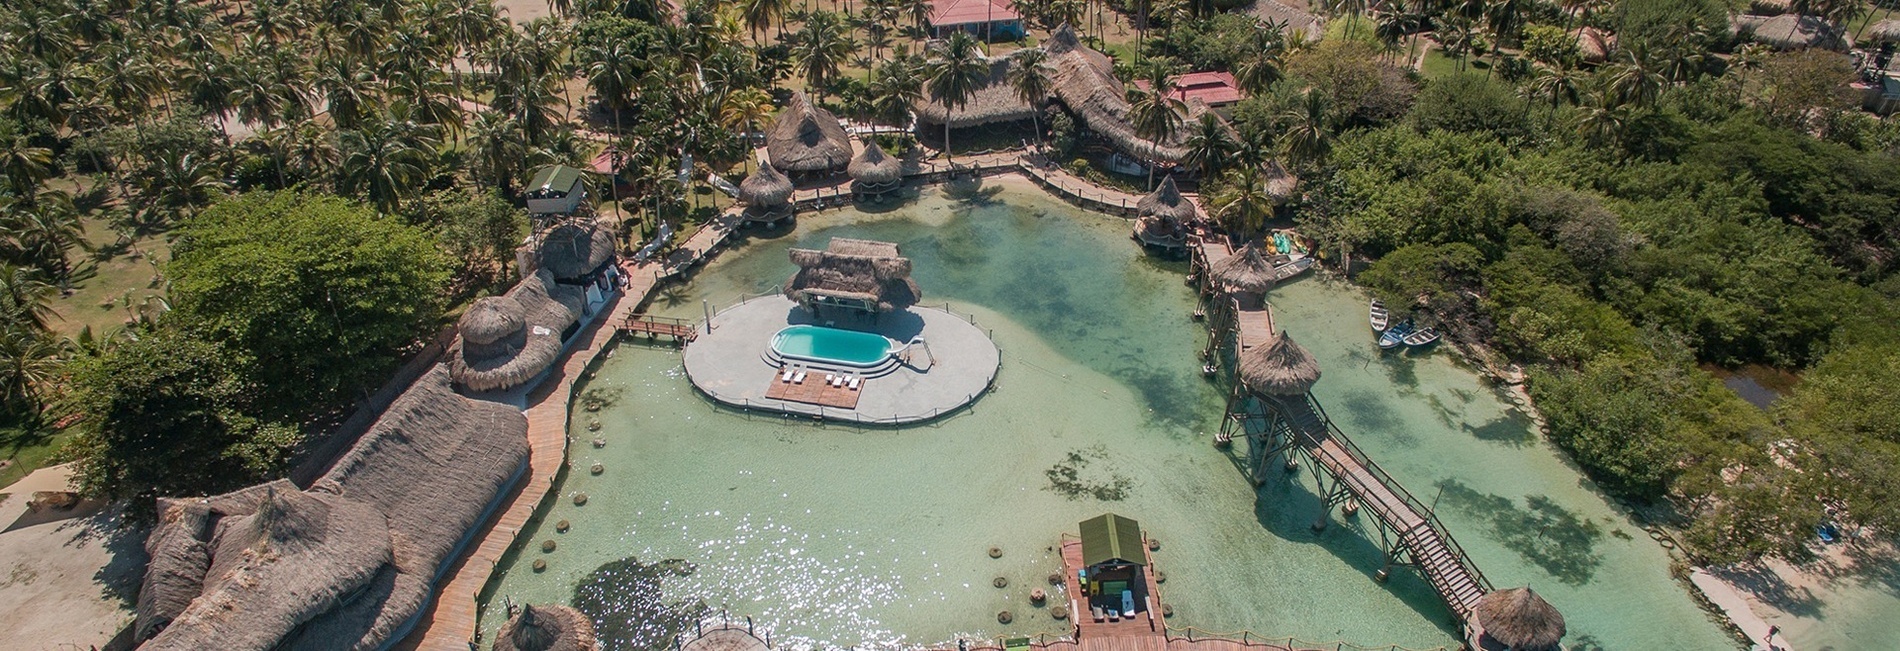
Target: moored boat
{"x":1395,"y":335}
{"x":1380,"y":318}
{"x":1422,"y":337}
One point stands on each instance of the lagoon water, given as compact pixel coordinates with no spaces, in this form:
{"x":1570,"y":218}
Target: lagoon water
{"x":837,"y":536}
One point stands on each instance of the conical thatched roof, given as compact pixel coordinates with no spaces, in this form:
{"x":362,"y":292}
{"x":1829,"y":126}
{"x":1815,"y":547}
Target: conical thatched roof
{"x":1166,"y":201}
{"x":1281,"y":184}
{"x":348,"y":563}
{"x":1789,"y":31}
{"x":994,"y":101}
{"x":546,"y":628}
{"x":1595,"y":45}
{"x":1247,"y":270}
{"x":1279,"y":368}
{"x":1085,"y":82}
{"x":574,"y":249}
{"x":1520,"y":620}
{"x":1885,"y":31}
{"x":874,"y":167}
{"x":766,"y":188}
{"x":805,"y":138}
{"x":539,"y":309}
{"x":853,"y":272}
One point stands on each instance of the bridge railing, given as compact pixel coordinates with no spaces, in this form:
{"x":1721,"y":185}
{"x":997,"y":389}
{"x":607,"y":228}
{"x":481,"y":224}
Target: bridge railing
{"x":1425,"y":512}
{"x":1252,"y":640}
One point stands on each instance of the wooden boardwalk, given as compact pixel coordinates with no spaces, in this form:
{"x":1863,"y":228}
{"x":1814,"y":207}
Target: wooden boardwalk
{"x":1414,"y":535}
{"x":679,"y":329}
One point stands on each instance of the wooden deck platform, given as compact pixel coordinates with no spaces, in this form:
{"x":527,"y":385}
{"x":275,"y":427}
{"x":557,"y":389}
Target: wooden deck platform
{"x":815,"y":391}
{"x":1147,"y":624}
{"x":679,"y":329}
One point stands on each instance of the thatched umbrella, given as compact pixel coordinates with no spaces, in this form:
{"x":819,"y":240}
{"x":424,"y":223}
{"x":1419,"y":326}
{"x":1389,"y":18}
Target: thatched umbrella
{"x":807,"y":139}
{"x":765,"y":189}
{"x":1595,"y":45}
{"x":546,"y":628}
{"x":1520,"y":620}
{"x":1247,"y":271}
{"x":873,"y":171}
{"x":1279,"y":368}
{"x":995,"y":101}
{"x":1886,"y":31}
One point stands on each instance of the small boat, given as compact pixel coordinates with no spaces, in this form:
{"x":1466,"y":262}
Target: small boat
{"x":1395,"y":335}
{"x":1380,"y":318}
{"x":1422,"y":337}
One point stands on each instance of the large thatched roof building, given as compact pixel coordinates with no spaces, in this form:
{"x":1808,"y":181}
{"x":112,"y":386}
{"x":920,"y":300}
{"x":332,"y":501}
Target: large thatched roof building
{"x":510,"y":339}
{"x":1518,"y":620}
{"x":1280,"y":368}
{"x":856,"y":275}
{"x":806,"y":139}
{"x":347,"y":564}
{"x":994,"y":101}
{"x":1288,"y":18}
{"x":1085,"y":82}
{"x":575,"y":250}
{"x":874,"y":173}
{"x":1161,"y":215}
{"x":1247,"y":271}
{"x":546,"y":628}
{"x":767,"y":195}
{"x":1788,"y":31}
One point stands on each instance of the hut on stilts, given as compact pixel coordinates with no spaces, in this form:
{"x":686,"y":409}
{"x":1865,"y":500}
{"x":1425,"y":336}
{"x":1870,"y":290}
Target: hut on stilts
{"x":1515,"y":619}
{"x":874,"y":173}
{"x":806,"y":141}
{"x":853,"y":277}
{"x":1163,"y":216}
{"x":767,"y":196}
{"x":546,"y":628}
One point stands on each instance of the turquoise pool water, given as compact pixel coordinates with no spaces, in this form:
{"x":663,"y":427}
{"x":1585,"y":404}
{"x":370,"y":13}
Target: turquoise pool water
{"x":832,"y":345}
{"x":840,"y":536}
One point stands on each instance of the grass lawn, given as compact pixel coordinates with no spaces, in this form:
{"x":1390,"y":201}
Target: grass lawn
{"x":111,"y":283}
{"x":1438,"y":65}
{"x":29,"y":451}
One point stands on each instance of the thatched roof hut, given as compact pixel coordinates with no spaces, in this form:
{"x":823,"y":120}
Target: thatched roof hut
{"x":1519,"y":620}
{"x":874,"y":171}
{"x":863,"y":275}
{"x":806,"y":139}
{"x":552,"y":627}
{"x":1279,"y":368}
{"x":766,"y":188}
{"x":1166,"y":202}
{"x":1246,"y":271}
{"x":348,"y":563}
{"x":1084,"y":81}
{"x":1595,"y":45}
{"x":510,"y":339}
{"x":1282,"y":185}
{"x":994,"y":101}
{"x":1289,"y":18}
{"x":1788,"y":31}
{"x":574,"y":250}
{"x":1886,"y":31}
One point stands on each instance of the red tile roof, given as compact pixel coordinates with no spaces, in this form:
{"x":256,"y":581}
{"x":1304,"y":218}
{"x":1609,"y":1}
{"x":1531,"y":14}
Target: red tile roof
{"x":944,"y":13}
{"x":1215,"y":88}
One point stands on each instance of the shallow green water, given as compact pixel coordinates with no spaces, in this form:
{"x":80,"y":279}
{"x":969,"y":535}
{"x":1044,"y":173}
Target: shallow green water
{"x":845,"y":536}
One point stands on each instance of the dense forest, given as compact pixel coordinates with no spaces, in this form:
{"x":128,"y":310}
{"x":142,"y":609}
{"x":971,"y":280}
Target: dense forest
{"x":332,"y":179}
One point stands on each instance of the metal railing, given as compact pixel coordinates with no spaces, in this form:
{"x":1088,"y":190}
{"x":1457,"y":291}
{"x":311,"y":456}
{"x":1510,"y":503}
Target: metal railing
{"x":1250,"y":639}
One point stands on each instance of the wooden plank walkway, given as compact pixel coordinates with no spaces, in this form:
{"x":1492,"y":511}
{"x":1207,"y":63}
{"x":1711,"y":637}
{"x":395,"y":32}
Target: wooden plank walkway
{"x":815,"y":391}
{"x":679,"y":329}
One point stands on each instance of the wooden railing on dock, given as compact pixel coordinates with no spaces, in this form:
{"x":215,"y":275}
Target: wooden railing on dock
{"x":654,"y":326}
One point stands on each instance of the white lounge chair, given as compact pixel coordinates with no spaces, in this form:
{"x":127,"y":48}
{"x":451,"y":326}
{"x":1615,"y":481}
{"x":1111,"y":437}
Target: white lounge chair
{"x":800,"y":378}
{"x":855,"y":381}
{"x":787,"y":375}
{"x":831,"y":379}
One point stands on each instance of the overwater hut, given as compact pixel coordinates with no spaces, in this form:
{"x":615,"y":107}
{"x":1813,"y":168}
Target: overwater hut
{"x":1788,"y":31}
{"x":1246,"y":272}
{"x":994,"y":102}
{"x":1516,"y":620}
{"x":874,"y":173}
{"x":1084,"y":81}
{"x":507,"y":341}
{"x":555,"y":190}
{"x":767,"y":196}
{"x":805,"y":140}
{"x":1115,"y":560}
{"x":552,"y":627}
{"x":1280,"y":368}
{"x":1162,"y":217}
{"x":349,"y":563}
{"x":855,"y":276}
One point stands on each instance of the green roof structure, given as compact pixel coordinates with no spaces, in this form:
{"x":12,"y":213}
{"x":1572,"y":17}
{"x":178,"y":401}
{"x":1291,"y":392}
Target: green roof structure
{"x":553,"y":180}
{"x":1111,"y":537}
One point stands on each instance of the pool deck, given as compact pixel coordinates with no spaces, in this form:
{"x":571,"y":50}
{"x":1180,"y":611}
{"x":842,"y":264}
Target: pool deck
{"x":729,"y":364}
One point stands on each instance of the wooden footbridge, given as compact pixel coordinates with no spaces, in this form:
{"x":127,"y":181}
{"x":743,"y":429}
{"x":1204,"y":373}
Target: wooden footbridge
{"x":1290,"y":425}
{"x":680,"y":330}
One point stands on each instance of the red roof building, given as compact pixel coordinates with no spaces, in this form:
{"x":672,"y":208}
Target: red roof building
{"x":982,"y":17}
{"x":1216,"y":88}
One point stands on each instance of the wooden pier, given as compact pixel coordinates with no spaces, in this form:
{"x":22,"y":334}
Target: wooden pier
{"x":680,"y":330}
{"x":1279,"y":427}
{"x":1146,"y":632}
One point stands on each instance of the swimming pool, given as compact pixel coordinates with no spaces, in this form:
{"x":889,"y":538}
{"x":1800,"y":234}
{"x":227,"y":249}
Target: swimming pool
{"x":831,"y":345}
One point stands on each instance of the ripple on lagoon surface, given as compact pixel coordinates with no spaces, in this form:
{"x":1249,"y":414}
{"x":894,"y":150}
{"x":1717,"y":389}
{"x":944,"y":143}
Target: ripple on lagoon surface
{"x":842,"y":536}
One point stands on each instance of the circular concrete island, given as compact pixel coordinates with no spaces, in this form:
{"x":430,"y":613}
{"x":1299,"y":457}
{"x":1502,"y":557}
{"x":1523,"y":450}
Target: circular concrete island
{"x":894,"y":367}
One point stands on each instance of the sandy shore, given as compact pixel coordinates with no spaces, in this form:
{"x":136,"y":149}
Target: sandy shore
{"x":1847,"y":598}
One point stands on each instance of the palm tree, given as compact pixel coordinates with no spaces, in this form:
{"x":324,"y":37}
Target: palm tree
{"x":1308,"y":135}
{"x":175,"y":184}
{"x":1156,"y":116}
{"x":27,"y":299}
{"x":24,"y":163}
{"x":760,"y":14}
{"x":1209,"y":147}
{"x":1632,"y":80}
{"x":346,"y":87}
{"x":953,"y":73}
{"x":44,"y":231}
{"x":746,"y":111}
{"x":498,"y":149}
{"x":612,"y":74}
{"x":819,"y":49}
{"x":896,"y":86}
{"x":1559,"y":84}
{"x":1260,"y":66}
{"x":1030,"y":78}
{"x":1459,"y":36}
{"x":388,"y":160}
{"x":1603,"y":118}
{"x":28,"y":361}
{"x":1242,"y":203}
